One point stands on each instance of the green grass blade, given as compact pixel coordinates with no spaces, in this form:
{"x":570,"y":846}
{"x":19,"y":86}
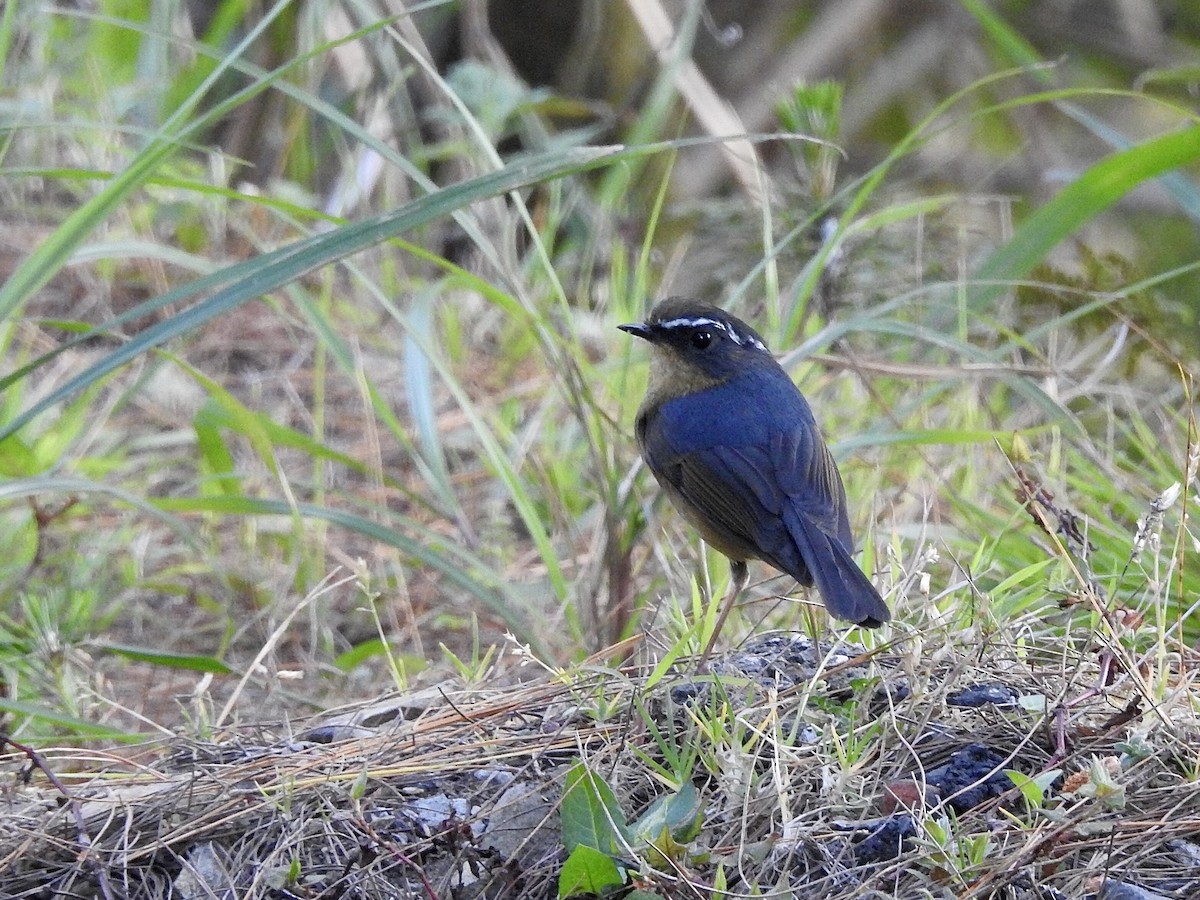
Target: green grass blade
{"x":6,"y":35}
{"x":192,"y":662}
{"x":41,"y":265}
{"x":52,"y":485}
{"x":453,"y":562}
{"x":1098,"y":188}
{"x":419,"y":392}
{"x":272,"y":270}
{"x":71,"y":724}
{"x":1023,"y":53}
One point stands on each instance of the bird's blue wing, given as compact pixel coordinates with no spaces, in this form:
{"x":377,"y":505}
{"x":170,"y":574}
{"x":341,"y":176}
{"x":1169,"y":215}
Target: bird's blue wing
{"x":791,"y":497}
{"x":791,"y":480}
{"x":719,"y":500}
{"x":741,"y":455}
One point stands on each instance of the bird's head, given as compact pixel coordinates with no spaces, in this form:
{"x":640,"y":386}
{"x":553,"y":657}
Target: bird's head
{"x":695,"y":346}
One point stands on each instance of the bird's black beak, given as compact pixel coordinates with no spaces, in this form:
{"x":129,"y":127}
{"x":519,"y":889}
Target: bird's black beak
{"x":639,"y":329}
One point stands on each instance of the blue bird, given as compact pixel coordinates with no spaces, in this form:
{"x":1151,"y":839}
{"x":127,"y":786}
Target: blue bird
{"x":734,"y":445}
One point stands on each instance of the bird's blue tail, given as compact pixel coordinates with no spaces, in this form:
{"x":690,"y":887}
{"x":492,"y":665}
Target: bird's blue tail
{"x":846,"y":590}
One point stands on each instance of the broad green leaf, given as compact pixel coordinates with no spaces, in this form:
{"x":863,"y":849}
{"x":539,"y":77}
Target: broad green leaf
{"x":588,"y":872}
{"x":360,"y":653}
{"x":409,"y":663}
{"x":16,"y":459}
{"x":591,"y":815}
{"x":680,"y":813}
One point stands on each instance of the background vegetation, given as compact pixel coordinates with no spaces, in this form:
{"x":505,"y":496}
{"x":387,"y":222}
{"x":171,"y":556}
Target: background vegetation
{"x":310,"y":388}
{"x":310,"y":379}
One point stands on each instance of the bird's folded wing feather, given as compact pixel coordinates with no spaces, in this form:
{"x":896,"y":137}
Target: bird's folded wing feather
{"x":746,"y":487}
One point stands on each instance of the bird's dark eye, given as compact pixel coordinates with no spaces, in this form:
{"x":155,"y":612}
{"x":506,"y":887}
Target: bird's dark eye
{"x":701,"y":339}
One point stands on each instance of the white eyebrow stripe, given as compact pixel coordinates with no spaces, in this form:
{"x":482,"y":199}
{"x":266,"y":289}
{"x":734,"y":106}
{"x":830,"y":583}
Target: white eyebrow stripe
{"x":702,"y":321}
{"x":695,"y":322}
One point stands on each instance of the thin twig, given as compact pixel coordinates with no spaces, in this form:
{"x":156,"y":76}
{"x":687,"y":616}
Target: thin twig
{"x":81,"y":833}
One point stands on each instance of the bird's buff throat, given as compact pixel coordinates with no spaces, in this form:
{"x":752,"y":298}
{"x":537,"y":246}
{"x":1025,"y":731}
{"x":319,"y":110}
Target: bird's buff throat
{"x":671,"y":376}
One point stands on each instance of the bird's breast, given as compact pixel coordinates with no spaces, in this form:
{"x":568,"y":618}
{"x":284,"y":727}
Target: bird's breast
{"x":745,"y":410}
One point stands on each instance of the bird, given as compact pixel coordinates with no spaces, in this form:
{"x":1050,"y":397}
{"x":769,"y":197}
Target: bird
{"x":735,"y":447}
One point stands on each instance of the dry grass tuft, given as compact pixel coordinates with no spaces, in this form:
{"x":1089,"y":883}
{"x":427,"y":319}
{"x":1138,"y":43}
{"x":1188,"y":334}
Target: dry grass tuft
{"x":824,"y":770}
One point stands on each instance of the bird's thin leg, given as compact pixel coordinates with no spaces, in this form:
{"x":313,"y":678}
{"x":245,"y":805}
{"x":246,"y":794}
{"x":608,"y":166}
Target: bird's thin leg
{"x":739,"y":574}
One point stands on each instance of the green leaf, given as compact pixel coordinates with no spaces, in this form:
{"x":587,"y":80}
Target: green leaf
{"x":591,"y":815}
{"x":7,"y":17}
{"x":1006,"y":38}
{"x":16,"y":459}
{"x":219,"y":415}
{"x":663,"y":851}
{"x":680,"y":813}
{"x":588,"y":871}
{"x":214,"y":450}
{"x":190,"y":661}
{"x":359,"y":653}
{"x":1033,"y":789}
{"x":244,"y":421}
{"x":419,"y":391}
{"x":1022,"y":576}
{"x":409,"y":663}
